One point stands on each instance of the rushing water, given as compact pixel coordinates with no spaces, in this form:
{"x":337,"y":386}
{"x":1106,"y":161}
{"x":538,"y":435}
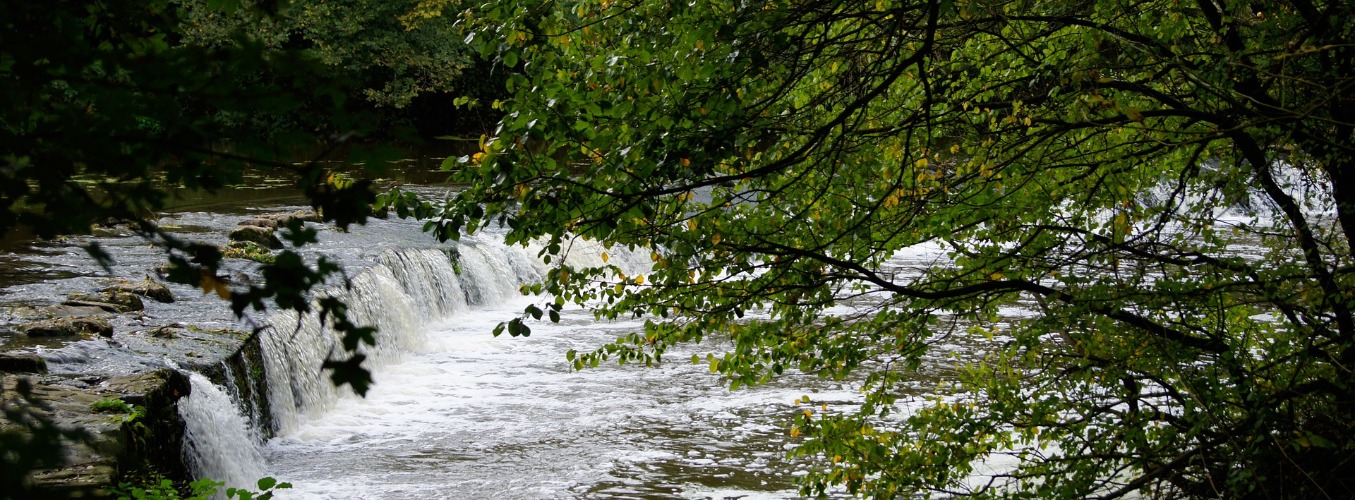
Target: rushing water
{"x":459,"y":413}
{"x":455,"y":412}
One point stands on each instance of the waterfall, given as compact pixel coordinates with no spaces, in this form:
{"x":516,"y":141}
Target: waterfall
{"x":405,"y":290}
{"x":218,"y":443}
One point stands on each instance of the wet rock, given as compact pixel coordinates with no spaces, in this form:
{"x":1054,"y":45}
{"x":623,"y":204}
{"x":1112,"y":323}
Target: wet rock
{"x":74,"y":311}
{"x":148,"y":288}
{"x":248,"y":250}
{"x":128,"y":301}
{"x":264,"y":222}
{"x":158,"y":388}
{"x":114,"y":301}
{"x":255,"y":234}
{"x":65,"y":327}
{"x":91,"y":480}
{"x":80,"y":463}
{"x":167,"y":332}
{"x":102,"y":306}
{"x":22,"y":363}
{"x":284,"y":220}
{"x":100,"y":448}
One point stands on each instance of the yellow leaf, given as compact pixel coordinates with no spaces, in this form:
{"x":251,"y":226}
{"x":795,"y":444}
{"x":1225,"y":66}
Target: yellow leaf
{"x":210,"y":284}
{"x":715,"y":240}
{"x":794,"y":432}
{"x":605,"y":257}
{"x":640,"y":279}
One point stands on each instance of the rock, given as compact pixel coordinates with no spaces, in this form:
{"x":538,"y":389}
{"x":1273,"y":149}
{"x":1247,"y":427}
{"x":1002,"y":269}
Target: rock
{"x":301,"y":215}
{"x":248,"y":250}
{"x":158,"y":388}
{"x":149,"y":440}
{"x":76,"y":311}
{"x":102,"y":306}
{"x":264,"y":222}
{"x":166,"y":332}
{"x":92,"y":480}
{"x":22,"y":363}
{"x":128,"y":301}
{"x":261,"y":235}
{"x":68,"y":466}
{"x":148,"y":288}
{"x":64,"y":327}
{"x":125,"y":301}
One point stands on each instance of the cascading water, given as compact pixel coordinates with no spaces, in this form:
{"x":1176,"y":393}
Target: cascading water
{"x":406,"y":290}
{"x":458,"y":413}
{"x":455,"y":412}
{"x":217,"y":438}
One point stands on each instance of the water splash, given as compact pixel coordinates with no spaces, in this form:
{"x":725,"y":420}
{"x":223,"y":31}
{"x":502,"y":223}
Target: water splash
{"x":403,"y":292}
{"x":218,"y":443}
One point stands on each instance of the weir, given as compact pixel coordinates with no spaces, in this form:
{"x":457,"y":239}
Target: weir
{"x":400,"y":294}
{"x":454,"y":411}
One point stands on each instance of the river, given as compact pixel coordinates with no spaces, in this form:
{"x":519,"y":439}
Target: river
{"x":456,"y":412}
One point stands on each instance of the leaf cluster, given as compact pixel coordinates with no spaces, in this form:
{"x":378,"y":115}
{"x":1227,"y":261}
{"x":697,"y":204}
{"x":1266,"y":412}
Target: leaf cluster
{"x":1165,"y":185}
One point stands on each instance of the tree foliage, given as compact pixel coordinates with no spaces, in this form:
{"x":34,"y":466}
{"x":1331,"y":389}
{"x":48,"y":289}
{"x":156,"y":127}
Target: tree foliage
{"x":106,"y":114}
{"x":1169,"y":184}
{"x":364,"y":40}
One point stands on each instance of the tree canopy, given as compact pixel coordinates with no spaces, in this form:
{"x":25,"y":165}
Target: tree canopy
{"x":108,"y":111}
{"x":362,"y":39}
{"x":1168,"y":184}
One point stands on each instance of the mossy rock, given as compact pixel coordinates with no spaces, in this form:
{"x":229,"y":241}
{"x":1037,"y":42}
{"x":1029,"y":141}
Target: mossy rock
{"x":260,"y":235}
{"x":248,"y":250}
{"x":68,"y":327}
{"x":148,"y":288}
{"x":115,"y":301}
{"x":127,"y":300}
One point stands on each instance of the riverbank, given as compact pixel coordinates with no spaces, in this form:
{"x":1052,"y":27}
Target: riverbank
{"x":94,"y":364}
